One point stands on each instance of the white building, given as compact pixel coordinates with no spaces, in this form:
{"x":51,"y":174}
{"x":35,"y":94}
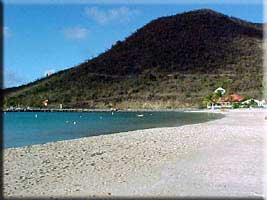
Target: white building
{"x":220,"y":89}
{"x":258,"y":102}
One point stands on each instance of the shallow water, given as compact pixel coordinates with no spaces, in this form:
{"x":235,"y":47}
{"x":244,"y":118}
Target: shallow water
{"x":27,"y":128}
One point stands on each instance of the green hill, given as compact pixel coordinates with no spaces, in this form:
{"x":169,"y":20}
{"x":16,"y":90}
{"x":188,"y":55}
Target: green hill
{"x":171,"y":62}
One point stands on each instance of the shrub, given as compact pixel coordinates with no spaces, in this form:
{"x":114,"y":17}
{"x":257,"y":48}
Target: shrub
{"x":236,"y":105}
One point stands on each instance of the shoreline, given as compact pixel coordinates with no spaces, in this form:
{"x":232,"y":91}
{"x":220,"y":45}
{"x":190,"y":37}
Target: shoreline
{"x":216,"y":115}
{"x":211,"y":158}
{"x":192,"y":109}
{"x":95,"y":110}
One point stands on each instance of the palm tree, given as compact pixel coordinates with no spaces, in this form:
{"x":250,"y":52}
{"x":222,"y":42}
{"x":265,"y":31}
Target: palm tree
{"x":216,"y":96}
{"x":218,"y":93}
{"x":208,"y":100}
{"x":212,"y":99}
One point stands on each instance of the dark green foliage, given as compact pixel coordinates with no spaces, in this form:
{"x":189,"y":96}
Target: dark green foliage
{"x":236,"y":105}
{"x":178,"y":59}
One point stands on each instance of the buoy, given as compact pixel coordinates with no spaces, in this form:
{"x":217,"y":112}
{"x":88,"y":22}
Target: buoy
{"x":74,"y":123}
{"x":36,"y":115}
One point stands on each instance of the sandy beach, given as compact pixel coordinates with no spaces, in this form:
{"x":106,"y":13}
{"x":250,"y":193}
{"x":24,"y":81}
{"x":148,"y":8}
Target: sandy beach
{"x":224,"y":157}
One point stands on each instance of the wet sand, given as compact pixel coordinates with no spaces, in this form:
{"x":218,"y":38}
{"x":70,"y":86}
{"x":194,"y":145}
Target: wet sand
{"x":223,"y":157}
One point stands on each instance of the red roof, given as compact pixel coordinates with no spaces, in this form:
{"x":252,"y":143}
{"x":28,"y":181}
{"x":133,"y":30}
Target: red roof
{"x":235,"y":97}
{"x":222,"y":100}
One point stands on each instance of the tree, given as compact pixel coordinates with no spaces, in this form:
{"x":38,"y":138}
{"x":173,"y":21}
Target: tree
{"x":218,"y":94}
{"x":209,"y":100}
{"x":212,"y":99}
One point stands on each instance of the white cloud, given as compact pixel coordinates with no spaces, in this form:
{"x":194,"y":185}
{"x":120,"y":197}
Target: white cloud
{"x":49,"y":72}
{"x":76,"y":33}
{"x":6,"y":32}
{"x":102,"y":16}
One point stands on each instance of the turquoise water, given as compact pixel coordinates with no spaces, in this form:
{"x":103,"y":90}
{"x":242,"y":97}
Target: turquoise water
{"x":27,"y":128}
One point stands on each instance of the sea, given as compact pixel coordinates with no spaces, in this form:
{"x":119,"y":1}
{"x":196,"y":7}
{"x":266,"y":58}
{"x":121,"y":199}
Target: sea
{"x":28,"y":128}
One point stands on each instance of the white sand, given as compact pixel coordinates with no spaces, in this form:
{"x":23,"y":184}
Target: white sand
{"x":217,"y":158}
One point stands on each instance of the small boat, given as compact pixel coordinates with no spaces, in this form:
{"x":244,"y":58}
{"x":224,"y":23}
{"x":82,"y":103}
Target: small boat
{"x":141,"y":115}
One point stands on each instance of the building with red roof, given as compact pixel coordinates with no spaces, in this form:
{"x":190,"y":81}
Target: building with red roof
{"x":235,"y":98}
{"x":225,"y":102}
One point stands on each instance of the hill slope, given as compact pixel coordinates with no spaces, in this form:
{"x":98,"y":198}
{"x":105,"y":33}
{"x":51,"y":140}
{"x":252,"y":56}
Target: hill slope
{"x":171,"y":62}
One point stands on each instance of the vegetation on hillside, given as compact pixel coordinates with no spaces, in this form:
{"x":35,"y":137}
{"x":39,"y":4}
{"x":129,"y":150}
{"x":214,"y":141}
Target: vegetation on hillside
{"x":171,"y":62}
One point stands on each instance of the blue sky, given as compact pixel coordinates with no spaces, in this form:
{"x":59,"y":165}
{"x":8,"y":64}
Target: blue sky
{"x":46,"y":38}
